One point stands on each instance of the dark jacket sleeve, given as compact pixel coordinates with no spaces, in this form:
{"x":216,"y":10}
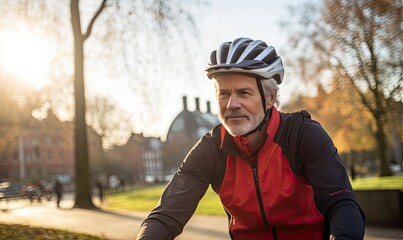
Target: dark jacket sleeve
{"x":182,"y":194}
{"x":346,"y":221}
{"x":334,"y":195}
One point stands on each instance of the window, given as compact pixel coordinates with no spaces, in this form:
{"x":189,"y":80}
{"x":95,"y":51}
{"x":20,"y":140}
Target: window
{"x":36,"y":153}
{"x":49,"y":155}
{"x":61,"y":156}
{"x":28,"y":157}
{"x":15,"y":154}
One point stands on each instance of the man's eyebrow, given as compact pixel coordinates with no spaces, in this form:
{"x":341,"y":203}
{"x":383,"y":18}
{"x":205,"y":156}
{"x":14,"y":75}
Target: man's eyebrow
{"x":223,"y":90}
{"x":236,"y":90}
{"x":244,"y":89}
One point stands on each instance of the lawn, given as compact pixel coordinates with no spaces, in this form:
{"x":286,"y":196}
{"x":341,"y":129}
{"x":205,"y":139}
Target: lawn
{"x":394,"y":182}
{"x":144,"y":199}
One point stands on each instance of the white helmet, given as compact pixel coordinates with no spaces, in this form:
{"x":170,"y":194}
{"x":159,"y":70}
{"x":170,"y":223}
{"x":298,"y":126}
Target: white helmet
{"x":246,"y":56}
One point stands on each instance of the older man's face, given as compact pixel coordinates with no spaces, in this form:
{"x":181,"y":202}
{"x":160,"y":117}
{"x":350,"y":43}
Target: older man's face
{"x":239,"y":101}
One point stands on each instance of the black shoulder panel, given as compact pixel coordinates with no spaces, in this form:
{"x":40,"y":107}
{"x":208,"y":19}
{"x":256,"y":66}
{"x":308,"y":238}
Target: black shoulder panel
{"x":287,"y":138}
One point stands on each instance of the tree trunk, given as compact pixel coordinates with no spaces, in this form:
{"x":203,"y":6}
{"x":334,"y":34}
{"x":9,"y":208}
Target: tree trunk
{"x":82,"y":179}
{"x":382,"y":149}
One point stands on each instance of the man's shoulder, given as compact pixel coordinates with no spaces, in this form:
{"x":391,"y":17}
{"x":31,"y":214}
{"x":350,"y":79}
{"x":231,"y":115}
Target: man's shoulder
{"x":298,"y":121}
{"x":211,"y":139}
{"x":288,"y":116}
{"x":215,"y":133}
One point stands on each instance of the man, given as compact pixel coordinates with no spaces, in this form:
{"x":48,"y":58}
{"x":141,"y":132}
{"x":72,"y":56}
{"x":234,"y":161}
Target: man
{"x":100,"y":188}
{"x":58,"y":189}
{"x":278,"y":175}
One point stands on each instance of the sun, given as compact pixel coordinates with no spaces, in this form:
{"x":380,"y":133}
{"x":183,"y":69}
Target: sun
{"x":24,"y":56}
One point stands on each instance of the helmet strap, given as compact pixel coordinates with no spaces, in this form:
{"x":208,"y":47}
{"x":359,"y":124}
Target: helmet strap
{"x":260,"y":87}
{"x":266,"y":112}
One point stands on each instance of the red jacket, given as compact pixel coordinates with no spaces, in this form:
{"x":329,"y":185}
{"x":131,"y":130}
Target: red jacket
{"x":264,"y":197}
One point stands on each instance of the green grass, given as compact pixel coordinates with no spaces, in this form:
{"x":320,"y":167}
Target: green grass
{"x":210,"y":204}
{"x":24,"y":232}
{"x":142,"y":199}
{"x":394,"y":182}
{"x":145,"y":199}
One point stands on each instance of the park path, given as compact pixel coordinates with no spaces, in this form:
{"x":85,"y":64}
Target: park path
{"x":114,"y":225}
{"x":122,"y":225}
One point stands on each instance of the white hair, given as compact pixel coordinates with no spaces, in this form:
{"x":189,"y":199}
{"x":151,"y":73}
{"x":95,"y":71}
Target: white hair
{"x":270,"y":88}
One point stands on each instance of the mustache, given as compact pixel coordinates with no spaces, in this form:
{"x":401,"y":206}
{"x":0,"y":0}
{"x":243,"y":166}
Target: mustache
{"x":229,"y":114}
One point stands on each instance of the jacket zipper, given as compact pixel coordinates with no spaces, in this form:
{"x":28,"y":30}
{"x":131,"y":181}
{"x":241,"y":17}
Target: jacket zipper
{"x":259,"y":197}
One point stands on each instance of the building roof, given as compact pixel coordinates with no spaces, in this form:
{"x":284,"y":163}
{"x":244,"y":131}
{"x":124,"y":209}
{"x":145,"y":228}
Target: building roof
{"x":192,"y":124}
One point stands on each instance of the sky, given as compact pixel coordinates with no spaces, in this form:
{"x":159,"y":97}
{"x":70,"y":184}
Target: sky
{"x":220,"y":21}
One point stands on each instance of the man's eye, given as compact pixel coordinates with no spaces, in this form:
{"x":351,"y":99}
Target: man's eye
{"x":223,"y":95}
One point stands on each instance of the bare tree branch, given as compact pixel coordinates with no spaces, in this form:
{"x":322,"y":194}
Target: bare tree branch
{"x":94,"y":18}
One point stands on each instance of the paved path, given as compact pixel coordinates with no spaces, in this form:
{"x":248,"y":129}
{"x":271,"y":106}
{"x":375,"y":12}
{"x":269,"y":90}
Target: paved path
{"x":119,"y":225}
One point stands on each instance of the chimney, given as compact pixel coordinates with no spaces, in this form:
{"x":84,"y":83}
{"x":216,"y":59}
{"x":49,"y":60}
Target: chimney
{"x":208,"y":107}
{"x":185,"y":104}
{"x":197,"y":104}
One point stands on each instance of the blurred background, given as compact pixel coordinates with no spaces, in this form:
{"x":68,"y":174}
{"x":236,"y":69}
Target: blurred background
{"x":116,"y":92}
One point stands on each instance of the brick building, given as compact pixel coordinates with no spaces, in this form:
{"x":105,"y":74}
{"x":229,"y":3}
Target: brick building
{"x":139,"y":158}
{"x":44,"y":150}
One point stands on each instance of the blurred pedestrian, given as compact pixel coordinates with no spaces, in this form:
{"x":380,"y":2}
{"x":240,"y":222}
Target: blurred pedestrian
{"x":122,"y":184}
{"x":58,"y":189}
{"x":100,"y":188}
{"x":352,"y":172}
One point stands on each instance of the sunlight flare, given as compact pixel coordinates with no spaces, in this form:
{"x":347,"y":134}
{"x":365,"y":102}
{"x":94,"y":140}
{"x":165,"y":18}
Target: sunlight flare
{"x":24,"y":56}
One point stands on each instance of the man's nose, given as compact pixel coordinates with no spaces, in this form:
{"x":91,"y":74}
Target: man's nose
{"x":233,"y":102}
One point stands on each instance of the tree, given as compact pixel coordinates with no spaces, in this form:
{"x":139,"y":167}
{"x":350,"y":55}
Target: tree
{"x":337,"y":118}
{"x":162,"y":12}
{"x":118,"y":30}
{"x":83,"y":182}
{"x":359,"y":44}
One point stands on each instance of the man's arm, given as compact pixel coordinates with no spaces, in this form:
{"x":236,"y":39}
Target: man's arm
{"x":346,"y":221}
{"x":334,"y":195}
{"x":177,"y":204}
{"x":182,"y":194}
{"x":154,"y":229}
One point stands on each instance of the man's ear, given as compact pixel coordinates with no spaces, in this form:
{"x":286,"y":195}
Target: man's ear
{"x":270,"y":100}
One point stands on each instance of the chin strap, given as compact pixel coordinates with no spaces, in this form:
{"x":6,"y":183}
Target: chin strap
{"x":266,"y":112}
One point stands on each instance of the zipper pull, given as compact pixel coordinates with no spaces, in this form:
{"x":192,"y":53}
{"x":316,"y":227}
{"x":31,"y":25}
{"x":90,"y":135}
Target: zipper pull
{"x":254,"y":173}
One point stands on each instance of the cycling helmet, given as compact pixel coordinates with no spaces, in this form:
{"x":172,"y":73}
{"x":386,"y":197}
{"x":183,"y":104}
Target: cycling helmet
{"x":246,"y":56}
